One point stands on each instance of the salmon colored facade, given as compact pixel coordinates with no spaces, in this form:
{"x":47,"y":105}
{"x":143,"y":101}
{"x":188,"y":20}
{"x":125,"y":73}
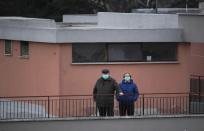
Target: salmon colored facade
{"x":49,"y":71}
{"x":37,"y":75}
{"x":197,"y":59}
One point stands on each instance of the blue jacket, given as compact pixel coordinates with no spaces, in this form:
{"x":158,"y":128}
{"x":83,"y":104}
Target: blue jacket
{"x":130,"y":92}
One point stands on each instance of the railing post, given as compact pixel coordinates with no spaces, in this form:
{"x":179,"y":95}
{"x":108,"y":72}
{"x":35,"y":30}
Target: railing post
{"x":48,"y":98}
{"x":96,"y":109}
{"x":142,"y":104}
{"x":199,"y":88}
{"x":156,"y":6}
{"x":189,"y":103}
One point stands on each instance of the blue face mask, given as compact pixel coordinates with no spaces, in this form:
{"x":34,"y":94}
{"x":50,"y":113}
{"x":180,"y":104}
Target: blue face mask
{"x":105,"y":76}
{"x":127,"y":78}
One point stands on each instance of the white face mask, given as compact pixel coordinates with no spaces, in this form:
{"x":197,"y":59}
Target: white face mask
{"x":105,"y":76}
{"x":127,"y":78}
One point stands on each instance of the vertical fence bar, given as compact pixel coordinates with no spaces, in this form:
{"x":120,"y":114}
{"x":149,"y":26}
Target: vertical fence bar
{"x":69,"y":108}
{"x":186,"y":104}
{"x":48,"y":98}
{"x":10,"y":110}
{"x":3,"y":109}
{"x":24,"y":103}
{"x":140,"y":105}
{"x":163,"y":105}
{"x":52,"y":108}
{"x":14,"y":109}
{"x":143,"y":104}
{"x":154,"y":108}
{"x":199,"y":94}
{"x":38,"y":107}
{"x":66,"y":108}
{"x":173,"y":105}
{"x":7,"y":109}
{"x":83,"y":111}
{"x":96,"y":110}
{"x":62,"y":107}
{"x":183,"y":105}
{"x":90,"y":105}
{"x":199,"y":89}
{"x":79,"y":107}
{"x":160,"y":106}
{"x":189,"y":104}
{"x":31,"y":104}
{"x":156,"y":104}
{"x":150,"y":104}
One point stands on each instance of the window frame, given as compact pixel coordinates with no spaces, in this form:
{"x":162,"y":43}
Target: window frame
{"x":11,"y":50}
{"x":143,"y":61}
{"x":21,"y":54}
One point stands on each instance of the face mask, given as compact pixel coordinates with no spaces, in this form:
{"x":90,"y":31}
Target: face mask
{"x":127,"y":78}
{"x":105,"y":76}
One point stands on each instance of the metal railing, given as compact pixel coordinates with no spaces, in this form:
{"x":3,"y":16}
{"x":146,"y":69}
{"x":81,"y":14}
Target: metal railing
{"x":36,"y":107}
{"x":197,"y":88}
{"x":197,"y":93}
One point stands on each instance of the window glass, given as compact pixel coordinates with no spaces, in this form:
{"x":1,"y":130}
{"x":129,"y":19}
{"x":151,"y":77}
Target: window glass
{"x":159,"y":51}
{"x":8,"y":47}
{"x":89,"y":52}
{"x":125,"y":52}
{"x":24,"y":48}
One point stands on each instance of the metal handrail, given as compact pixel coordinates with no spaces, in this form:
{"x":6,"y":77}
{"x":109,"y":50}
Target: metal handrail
{"x":88,"y":95}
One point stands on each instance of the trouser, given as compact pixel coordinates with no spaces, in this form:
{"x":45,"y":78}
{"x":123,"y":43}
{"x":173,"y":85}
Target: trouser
{"x":126,"y":108}
{"x":105,"y":110}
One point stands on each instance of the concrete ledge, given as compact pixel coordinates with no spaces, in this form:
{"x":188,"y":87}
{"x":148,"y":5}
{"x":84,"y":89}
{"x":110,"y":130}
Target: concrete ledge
{"x":129,"y":63}
{"x":80,"y":18}
{"x":119,"y":35}
{"x":137,"y":123}
{"x":103,"y":118}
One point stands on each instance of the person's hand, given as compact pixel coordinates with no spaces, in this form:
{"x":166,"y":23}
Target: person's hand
{"x":121,"y":93}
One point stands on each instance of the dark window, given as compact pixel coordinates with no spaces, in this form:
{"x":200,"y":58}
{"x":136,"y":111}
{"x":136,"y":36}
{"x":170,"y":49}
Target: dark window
{"x":197,"y":88}
{"x":159,"y":51}
{"x":123,"y":52}
{"x":89,"y":52}
{"x":24,"y":48}
{"x":8,"y":47}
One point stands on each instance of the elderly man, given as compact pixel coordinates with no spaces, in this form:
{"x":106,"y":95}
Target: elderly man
{"x":103,"y":93}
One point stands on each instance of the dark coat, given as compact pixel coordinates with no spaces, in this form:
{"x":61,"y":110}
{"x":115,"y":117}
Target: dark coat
{"x":130,"y":92}
{"x":104,"y":90}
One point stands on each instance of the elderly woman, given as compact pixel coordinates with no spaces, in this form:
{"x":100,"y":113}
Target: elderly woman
{"x":130,"y":95}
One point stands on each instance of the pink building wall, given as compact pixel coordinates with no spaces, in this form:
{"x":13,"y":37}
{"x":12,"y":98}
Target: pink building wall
{"x":158,"y":78}
{"x":197,"y":59}
{"x":49,"y":71}
{"x":38,"y":75}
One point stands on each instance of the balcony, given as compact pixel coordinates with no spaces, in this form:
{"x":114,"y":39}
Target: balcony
{"x":75,"y":106}
{"x":153,"y":111}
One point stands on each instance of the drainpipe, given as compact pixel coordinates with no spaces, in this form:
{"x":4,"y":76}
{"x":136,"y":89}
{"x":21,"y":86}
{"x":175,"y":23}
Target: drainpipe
{"x":186,"y":6}
{"x":201,"y":6}
{"x":156,"y":8}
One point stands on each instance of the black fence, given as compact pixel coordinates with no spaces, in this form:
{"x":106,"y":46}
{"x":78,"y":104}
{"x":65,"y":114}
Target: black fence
{"x":197,"y":88}
{"x":84,"y":106}
{"x":197,"y":93}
